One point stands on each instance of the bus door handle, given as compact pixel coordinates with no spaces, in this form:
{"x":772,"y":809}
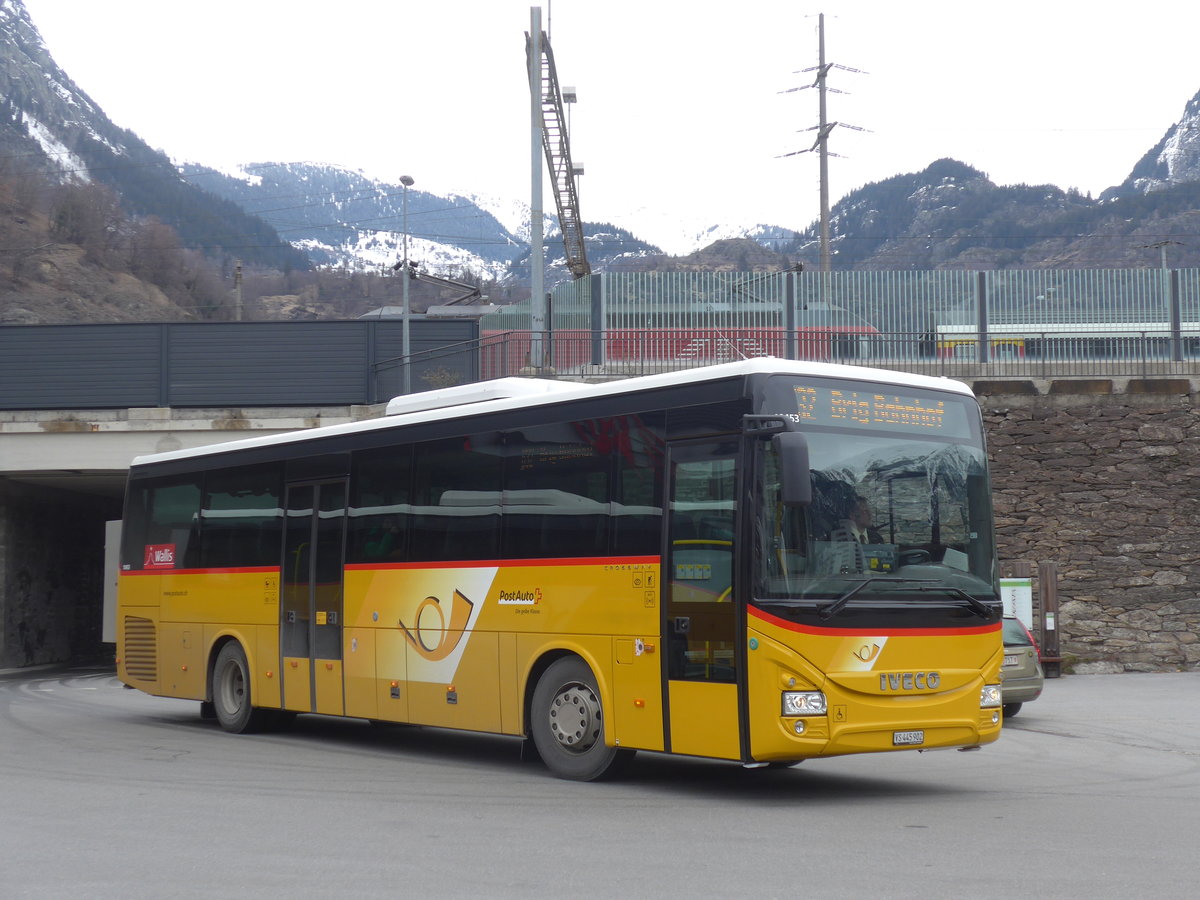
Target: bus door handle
{"x":683,"y":624}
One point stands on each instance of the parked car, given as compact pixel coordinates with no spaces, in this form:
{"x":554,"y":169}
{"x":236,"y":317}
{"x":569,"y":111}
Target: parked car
{"x":1021,"y":675}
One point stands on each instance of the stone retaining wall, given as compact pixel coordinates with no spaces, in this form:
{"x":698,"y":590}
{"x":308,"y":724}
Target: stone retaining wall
{"x":1107,"y":486}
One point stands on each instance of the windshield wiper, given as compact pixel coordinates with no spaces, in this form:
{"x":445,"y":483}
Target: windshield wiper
{"x":829,"y":610}
{"x":977,"y":606}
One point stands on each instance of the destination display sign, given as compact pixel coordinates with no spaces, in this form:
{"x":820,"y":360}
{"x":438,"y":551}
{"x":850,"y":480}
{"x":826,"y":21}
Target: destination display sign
{"x":849,"y":405}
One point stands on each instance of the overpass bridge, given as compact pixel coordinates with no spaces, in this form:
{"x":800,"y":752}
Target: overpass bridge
{"x":79,"y":402}
{"x":62,"y":478}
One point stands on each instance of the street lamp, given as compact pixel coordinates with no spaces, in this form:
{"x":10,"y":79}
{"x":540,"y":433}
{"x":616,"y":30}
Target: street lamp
{"x":406,"y":181}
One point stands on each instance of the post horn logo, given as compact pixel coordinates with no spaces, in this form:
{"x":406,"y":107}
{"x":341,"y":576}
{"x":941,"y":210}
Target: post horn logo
{"x":430,"y":635}
{"x":867,"y":652}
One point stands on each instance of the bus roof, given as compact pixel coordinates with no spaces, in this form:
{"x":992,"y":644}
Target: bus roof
{"x":503,"y":394}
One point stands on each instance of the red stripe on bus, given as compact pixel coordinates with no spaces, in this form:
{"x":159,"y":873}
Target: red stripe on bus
{"x":243,"y":570}
{"x":866,"y":632}
{"x":448,"y":564}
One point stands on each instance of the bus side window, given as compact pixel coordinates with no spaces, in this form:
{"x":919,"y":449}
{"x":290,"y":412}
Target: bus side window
{"x":135,"y":525}
{"x":456,"y":491}
{"x":242,"y":518}
{"x":380,"y":514}
{"x":164,"y":534}
{"x":557,"y":492}
{"x":638,"y":494}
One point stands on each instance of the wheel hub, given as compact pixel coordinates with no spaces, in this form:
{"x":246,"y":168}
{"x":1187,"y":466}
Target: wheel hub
{"x":233,"y":689}
{"x":575,"y":718}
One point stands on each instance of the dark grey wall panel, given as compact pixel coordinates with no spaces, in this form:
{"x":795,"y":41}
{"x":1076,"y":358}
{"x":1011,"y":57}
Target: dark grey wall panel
{"x":228,"y":363}
{"x":267,"y":363}
{"x":79,"y":366}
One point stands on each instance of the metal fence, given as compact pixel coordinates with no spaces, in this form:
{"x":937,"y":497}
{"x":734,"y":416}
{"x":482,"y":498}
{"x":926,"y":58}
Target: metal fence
{"x":1041,"y":354}
{"x":1021,"y":322}
{"x":889,"y":301}
{"x":1029,"y":323}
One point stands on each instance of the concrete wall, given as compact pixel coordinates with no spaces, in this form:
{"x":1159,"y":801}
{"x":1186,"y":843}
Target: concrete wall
{"x":51,"y":574}
{"x":1107,"y":486}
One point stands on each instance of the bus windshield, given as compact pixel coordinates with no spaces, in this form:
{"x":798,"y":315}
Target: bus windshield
{"x":901,"y":508}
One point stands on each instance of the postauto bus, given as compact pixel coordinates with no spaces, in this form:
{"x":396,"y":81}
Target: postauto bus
{"x":661,"y":564}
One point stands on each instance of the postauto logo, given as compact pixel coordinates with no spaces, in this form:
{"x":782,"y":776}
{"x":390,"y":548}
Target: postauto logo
{"x":433,"y":633}
{"x":520,"y":597}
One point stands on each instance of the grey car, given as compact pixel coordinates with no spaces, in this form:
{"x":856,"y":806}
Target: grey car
{"x":1021,"y":675}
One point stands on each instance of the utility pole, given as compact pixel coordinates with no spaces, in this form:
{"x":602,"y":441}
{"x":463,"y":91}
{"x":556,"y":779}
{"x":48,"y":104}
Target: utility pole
{"x":823,"y":141}
{"x":823,"y":128}
{"x":237,"y":290}
{"x":537,"y":250}
{"x":406,"y":182}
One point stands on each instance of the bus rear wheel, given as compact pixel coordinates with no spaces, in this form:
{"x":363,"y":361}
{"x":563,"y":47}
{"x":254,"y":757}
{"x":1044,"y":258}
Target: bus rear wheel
{"x":567,"y":724}
{"x":231,"y":695}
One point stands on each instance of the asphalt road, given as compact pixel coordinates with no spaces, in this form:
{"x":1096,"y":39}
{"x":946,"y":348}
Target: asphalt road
{"x":1093,"y":791}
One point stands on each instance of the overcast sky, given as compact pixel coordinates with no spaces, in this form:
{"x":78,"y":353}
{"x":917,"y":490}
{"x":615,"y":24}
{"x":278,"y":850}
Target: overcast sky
{"x":684,"y":108}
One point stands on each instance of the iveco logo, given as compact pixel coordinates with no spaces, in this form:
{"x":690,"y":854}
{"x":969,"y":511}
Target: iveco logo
{"x":909,"y":681}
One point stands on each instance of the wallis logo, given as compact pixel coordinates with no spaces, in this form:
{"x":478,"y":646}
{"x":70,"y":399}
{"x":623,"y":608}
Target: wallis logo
{"x":159,"y":556}
{"x":434,"y":635}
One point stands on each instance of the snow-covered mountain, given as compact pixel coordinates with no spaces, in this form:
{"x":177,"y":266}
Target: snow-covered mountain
{"x":288,"y":215}
{"x":1172,"y":161}
{"x":50,"y":126}
{"x":341,"y":217}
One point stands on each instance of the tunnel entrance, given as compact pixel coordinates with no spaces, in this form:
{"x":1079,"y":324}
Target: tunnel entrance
{"x":52,"y":533}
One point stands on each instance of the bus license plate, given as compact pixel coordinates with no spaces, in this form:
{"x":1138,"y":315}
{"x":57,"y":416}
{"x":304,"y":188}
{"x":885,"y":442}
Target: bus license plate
{"x":907,"y":738}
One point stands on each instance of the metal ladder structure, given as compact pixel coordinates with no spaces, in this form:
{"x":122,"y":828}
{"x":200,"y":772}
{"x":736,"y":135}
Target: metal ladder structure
{"x":556,"y":143}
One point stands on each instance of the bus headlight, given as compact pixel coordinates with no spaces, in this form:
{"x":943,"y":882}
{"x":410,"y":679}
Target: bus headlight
{"x":989,"y":696}
{"x":803,"y":703}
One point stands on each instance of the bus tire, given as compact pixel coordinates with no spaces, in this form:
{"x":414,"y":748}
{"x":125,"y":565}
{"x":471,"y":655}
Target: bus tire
{"x":567,"y":724}
{"x":231,"y":696}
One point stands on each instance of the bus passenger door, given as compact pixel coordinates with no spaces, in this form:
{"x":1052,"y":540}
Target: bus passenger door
{"x":702,"y":622}
{"x":311,"y":599}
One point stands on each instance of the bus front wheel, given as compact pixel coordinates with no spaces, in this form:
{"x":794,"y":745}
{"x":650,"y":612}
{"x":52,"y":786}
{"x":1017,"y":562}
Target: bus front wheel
{"x":567,"y":724}
{"x":231,"y":697}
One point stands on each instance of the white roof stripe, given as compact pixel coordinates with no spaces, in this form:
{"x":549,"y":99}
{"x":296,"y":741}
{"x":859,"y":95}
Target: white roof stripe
{"x":566,"y":391}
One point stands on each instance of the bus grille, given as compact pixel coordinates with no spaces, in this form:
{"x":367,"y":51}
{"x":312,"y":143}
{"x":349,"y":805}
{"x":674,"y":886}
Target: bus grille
{"x":141,"y":660}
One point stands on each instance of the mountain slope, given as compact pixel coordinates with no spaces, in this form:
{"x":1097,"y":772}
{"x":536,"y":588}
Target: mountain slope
{"x":53,"y":127}
{"x":952,"y":216}
{"x":1173,"y":161}
{"x":341,"y":217}
{"x":949,"y":215}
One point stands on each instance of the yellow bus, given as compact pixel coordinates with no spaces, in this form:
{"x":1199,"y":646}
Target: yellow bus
{"x":660,"y":563}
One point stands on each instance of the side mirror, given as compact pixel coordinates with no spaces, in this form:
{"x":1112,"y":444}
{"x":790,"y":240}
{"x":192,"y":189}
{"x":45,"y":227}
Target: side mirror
{"x":795,"y":477}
